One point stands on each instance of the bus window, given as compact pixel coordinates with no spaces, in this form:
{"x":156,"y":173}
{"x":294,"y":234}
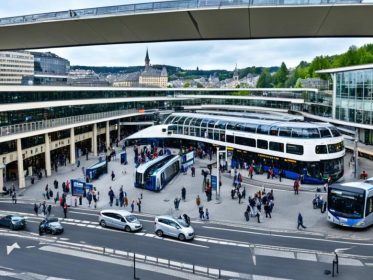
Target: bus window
{"x":369,"y":208}
{"x":294,"y":149}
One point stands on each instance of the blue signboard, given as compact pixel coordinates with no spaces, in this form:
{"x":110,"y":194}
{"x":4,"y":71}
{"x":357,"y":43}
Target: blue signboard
{"x":78,"y":186}
{"x":214,"y":182}
{"x":123,"y":158}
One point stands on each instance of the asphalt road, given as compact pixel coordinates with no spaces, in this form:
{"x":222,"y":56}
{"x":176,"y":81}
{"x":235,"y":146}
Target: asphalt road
{"x":249,"y":251}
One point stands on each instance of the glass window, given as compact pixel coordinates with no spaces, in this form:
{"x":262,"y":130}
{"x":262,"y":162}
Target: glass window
{"x":335,"y":148}
{"x":311,"y":133}
{"x":211,"y":123}
{"x":262,"y":144}
{"x":324,"y":132}
{"x":263,"y":129}
{"x":294,"y":149}
{"x":347,"y":203}
{"x":240,"y":127}
{"x":297,"y":133}
{"x":285,"y":131}
{"x":274,"y":131}
{"x":321,"y":149}
{"x":230,"y":138}
{"x":231,"y":126}
{"x":334,"y":131}
{"x":369,"y":208}
{"x":245,"y":141}
{"x":250,"y":127}
{"x":276,"y":146}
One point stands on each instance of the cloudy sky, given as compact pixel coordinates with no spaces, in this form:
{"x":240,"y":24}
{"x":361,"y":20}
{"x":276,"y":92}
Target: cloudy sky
{"x":188,"y":55}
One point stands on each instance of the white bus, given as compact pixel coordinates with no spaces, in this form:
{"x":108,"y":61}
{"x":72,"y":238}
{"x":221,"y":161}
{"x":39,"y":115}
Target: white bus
{"x":351,"y":204}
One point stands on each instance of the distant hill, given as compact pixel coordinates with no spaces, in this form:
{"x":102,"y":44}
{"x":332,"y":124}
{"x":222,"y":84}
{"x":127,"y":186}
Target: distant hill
{"x":175,"y":72}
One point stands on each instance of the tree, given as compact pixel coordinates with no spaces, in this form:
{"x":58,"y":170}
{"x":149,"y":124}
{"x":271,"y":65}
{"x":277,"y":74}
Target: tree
{"x":281,"y":76}
{"x":265,"y":80}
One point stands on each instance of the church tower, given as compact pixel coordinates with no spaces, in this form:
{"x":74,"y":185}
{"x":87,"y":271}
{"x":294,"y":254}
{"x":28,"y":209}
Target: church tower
{"x":147,"y":60}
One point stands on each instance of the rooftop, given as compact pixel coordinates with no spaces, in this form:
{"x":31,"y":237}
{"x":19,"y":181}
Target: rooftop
{"x":344,"y":69}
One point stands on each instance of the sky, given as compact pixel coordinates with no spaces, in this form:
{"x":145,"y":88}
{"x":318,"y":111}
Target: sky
{"x":206,"y":55}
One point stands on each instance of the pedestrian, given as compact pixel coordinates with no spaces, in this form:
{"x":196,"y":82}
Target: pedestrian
{"x":280,"y":174}
{"x":201,"y":213}
{"x":132,"y":206}
{"x":239,"y":196}
{"x":207,"y":214}
{"x":49,"y":209}
{"x":247,"y":213}
{"x":94,"y":197}
{"x":258,"y":216}
{"x":183,"y":193}
{"x":36,"y":209}
{"x":89,"y":198}
{"x":125,"y":201}
{"x":112,"y":175}
{"x":300,"y":221}
{"x":198,"y":200}
{"x":176,"y":203}
{"x":111,"y":196}
{"x":244,"y":193}
{"x":267,"y":210}
{"x":193,"y":171}
{"x":296,"y":187}
{"x":14,"y":197}
{"x":121,"y":197}
{"x":139,"y":205}
{"x":65,"y":210}
{"x":44,"y":208}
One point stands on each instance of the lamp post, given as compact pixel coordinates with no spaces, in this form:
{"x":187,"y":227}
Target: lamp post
{"x":356,"y":152}
{"x":218,"y":171}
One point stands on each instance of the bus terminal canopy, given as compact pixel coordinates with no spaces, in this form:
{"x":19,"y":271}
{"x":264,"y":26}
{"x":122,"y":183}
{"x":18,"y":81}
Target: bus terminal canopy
{"x":188,"y":20}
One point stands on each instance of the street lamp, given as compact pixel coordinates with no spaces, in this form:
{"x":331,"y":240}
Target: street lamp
{"x":217,"y":170}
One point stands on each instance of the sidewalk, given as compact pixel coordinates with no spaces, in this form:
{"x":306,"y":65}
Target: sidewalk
{"x":284,"y":216}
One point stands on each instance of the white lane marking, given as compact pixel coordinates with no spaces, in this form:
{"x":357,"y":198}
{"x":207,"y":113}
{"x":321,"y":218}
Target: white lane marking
{"x":64,"y":239}
{"x":9,"y":249}
{"x":254,"y":259}
{"x":108,"y":259}
{"x":369,"y":264}
{"x":291,"y":236}
{"x":7,"y":268}
{"x":29,"y":247}
{"x":185,"y":243}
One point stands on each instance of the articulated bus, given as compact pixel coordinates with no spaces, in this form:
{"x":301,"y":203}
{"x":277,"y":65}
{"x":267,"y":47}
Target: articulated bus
{"x":351,"y":204}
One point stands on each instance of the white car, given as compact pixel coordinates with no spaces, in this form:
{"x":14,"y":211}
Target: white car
{"x":178,"y":228}
{"x":120,"y":219}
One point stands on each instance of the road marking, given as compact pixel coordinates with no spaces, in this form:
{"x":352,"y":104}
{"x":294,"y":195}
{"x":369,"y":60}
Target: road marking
{"x":29,"y":247}
{"x":185,"y":243}
{"x":306,"y":257}
{"x":291,"y":236}
{"x":274,"y":253}
{"x":9,"y":249}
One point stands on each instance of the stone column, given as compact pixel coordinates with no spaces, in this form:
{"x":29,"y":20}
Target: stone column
{"x":94,"y":140}
{"x":21,"y":175}
{"x":47,"y":155}
{"x":107,"y":134}
{"x":72,"y":146}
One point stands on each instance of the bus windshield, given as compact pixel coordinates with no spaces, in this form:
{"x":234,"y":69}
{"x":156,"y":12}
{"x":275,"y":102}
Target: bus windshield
{"x":346,"y":203}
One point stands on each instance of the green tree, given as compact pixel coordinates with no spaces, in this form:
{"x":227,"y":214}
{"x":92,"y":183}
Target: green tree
{"x":281,"y":76}
{"x":265,"y":80}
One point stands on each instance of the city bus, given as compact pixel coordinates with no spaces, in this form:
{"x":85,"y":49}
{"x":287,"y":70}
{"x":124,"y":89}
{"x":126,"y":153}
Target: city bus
{"x":351,"y":204}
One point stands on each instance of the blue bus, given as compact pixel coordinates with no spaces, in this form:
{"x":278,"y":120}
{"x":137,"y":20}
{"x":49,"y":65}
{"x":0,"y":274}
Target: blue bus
{"x":351,"y":204}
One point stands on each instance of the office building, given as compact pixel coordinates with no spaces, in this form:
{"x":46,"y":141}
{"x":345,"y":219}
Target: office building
{"x":15,"y":66}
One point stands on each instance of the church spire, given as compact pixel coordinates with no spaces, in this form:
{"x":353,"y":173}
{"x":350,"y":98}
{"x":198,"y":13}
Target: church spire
{"x":147,"y":60}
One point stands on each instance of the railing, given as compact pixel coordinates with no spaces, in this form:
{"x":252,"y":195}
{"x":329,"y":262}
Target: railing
{"x":53,"y":123}
{"x":162,"y":6}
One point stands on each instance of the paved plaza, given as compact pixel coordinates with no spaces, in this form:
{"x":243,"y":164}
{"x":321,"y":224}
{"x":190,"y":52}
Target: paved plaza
{"x":228,"y":211}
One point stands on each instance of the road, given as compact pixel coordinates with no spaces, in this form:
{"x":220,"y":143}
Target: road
{"x":239,"y":251}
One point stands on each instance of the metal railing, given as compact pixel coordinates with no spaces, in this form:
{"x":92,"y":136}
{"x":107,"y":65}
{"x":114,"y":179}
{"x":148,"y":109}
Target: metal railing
{"x":54,"y":123}
{"x":162,"y":6}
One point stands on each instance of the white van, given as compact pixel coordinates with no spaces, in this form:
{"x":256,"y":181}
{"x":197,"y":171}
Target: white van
{"x":120,"y":219}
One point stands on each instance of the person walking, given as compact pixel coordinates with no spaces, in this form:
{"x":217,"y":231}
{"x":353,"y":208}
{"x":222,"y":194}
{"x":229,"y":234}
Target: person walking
{"x":44,"y":208}
{"x":49,"y":210}
{"x":207,"y":214}
{"x":239,"y":196}
{"x":36,"y":209}
{"x":14,"y":197}
{"x":121,"y":197}
{"x":247,"y":213}
{"x":132,"y":206}
{"x":125,"y":201}
{"x":201,"y":213}
{"x":296,"y":187}
{"x":300,"y":221}
{"x":89,"y":198}
{"x":139,"y":205}
{"x":94,"y":197}
{"x":111,"y":196}
{"x":177,"y":203}
{"x":65,"y":210}
{"x":112,"y":175}
{"x":267,"y":210}
{"x":183,"y":193}
{"x":193,"y":171}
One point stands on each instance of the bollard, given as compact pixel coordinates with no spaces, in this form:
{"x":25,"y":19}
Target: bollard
{"x":219,"y":277}
{"x":193,"y":269}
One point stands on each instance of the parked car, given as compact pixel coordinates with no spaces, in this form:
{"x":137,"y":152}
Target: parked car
{"x":13,"y":222}
{"x":178,"y":228}
{"x":120,"y":219}
{"x":50,"y":225}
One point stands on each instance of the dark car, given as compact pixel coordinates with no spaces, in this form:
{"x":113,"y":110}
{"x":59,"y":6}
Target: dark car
{"x":13,"y":222}
{"x":50,"y":225}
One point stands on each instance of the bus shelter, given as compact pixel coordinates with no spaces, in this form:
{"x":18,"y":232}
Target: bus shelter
{"x":96,"y":170}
